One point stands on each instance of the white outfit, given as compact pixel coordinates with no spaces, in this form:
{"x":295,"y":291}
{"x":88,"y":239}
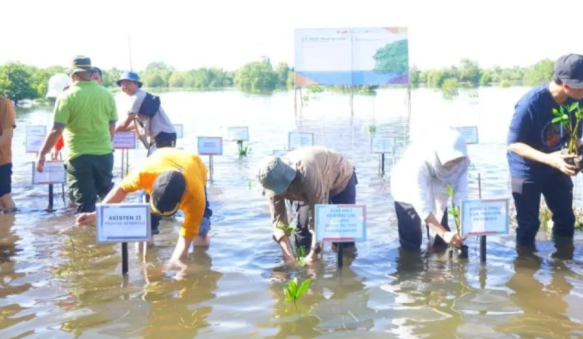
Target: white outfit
{"x":152,"y":126}
{"x":420,"y":179}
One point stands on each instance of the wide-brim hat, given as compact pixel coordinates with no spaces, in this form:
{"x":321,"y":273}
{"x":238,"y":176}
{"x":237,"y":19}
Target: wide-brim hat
{"x":80,"y":64}
{"x":275,"y":176}
{"x":131,"y":76}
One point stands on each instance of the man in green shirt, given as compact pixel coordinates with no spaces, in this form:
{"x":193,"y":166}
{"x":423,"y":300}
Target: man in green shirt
{"x":86,"y":112}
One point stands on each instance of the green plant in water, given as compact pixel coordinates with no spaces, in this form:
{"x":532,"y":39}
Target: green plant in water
{"x":565,"y":116}
{"x":293,"y":291}
{"x":288,"y":229}
{"x":243,"y":150}
{"x":301,"y":255}
{"x":372,"y":129}
{"x":454,"y":211}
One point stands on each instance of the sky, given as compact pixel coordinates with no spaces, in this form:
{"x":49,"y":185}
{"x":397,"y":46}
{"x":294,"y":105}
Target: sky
{"x":229,"y":33}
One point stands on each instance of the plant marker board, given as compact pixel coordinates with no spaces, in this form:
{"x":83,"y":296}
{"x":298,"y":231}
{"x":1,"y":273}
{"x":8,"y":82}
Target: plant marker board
{"x":484,"y":217}
{"x":210,"y":145}
{"x":239,"y":133}
{"x":300,"y":139}
{"x":53,"y":173}
{"x":340,"y":223}
{"x":470,"y":133}
{"x":124,"y":140}
{"x":123,"y":223}
{"x":382,"y":144}
{"x":35,"y":137}
{"x":179,"y":131}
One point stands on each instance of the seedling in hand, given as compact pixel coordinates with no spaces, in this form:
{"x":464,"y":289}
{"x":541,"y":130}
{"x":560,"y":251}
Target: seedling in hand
{"x":454,"y":211}
{"x":569,"y":118}
{"x":243,"y":150}
{"x":293,"y":292}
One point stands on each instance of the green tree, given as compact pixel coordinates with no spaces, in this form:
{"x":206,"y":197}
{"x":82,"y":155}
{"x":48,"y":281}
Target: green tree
{"x":414,"y":75}
{"x":256,"y":77}
{"x":17,"y":82}
{"x":540,"y":72}
{"x":393,"y":58}
{"x":176,"y":80}
{"x":470,"y":72}
{"x":282,"y":70}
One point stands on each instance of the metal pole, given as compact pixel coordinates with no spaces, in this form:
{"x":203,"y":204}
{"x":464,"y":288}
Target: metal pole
{"x":51,"y":197}
{"x":383,"y":163}
{"x":124,"y":258}
{"x":211,"y":167}
{"x":340,"y":254}
{"x":483,"y":237}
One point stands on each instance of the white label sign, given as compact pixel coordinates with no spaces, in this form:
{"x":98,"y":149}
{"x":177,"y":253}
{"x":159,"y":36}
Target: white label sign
{"x":123,"y":223}
{"x":382,"y":145}
{"x":124,"y":140}
{"x":239,"y":133}
{"x":470,"y":133}
{"x":179,"y":131}
{"x":210,"y":146}
{"x":340,"y":223}
{"x":53,"y":173}
{"x":35,"y":137}
{"x":299,"y":139}
{"x":484,"y":217}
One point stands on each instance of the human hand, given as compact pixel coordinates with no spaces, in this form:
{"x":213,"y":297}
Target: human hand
{"x":454,"y":239}
{"x":86,"y":219}
{"x":40,"y":163}
{"x":559,"y":159}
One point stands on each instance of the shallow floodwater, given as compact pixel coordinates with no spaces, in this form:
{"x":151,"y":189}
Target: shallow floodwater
{"x":56,"y":282}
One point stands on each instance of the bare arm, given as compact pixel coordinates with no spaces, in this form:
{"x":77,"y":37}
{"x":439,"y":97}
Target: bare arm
{"x":115,"y":196}
{"x":6,"y":136}
{"x":528,"y":152}
{"x":126,"y":124}
{"x":51,"y":140}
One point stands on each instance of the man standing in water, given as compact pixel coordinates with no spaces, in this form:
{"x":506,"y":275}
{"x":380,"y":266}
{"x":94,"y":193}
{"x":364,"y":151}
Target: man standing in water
{"x":157,"y":128}
{"x":175,"y":179}
{"x":7,"y":126}
{"x":537,"y":164}
{"x":310,"y":176}
{"x":88,"y":113}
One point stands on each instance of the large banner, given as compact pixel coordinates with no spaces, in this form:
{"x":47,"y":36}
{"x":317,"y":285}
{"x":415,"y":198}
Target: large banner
{"x":351,"y":56}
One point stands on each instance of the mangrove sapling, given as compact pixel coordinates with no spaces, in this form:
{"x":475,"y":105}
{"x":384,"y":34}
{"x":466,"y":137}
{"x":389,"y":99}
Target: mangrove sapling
{"x":243,"y":150}
{"x":293,"y":292}
{"x":570,"y":117}
{"x":372,"y":129}
{"x":454,"y":211}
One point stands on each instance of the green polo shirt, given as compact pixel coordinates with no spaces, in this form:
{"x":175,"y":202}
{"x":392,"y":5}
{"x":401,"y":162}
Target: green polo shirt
{"x":86,"y":110}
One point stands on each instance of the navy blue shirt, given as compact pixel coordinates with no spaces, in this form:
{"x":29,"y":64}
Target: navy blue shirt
{"x":531,"y":124}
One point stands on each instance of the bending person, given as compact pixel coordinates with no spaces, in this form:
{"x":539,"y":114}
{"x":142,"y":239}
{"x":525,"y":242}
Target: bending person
{"x":175,"y":179}
{"x":309,"y":176}
{"x":419,"y":188}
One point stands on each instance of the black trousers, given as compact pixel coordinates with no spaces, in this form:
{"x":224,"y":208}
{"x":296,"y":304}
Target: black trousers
{"x":557,"y":189}
{"x":409,"y":224}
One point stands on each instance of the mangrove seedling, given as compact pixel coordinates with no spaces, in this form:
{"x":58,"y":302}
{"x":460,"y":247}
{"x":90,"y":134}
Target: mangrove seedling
{"x":454,"y":211}
{"x":293,"y":291}
{"x":570,"y":117}
{"x":288,"y":229}
{"x":372,"y":129}
{"x":243,"y":150}
{"x":301,"y":256}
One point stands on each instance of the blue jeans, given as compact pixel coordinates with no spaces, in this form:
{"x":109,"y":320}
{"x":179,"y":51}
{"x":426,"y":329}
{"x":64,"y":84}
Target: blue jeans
{"x":205,"y":224}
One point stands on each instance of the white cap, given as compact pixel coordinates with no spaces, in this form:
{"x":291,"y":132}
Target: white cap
{"x":57,"y":83}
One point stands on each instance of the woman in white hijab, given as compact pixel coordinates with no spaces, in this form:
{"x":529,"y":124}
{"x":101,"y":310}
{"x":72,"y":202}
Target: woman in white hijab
{"x":419,"y":187}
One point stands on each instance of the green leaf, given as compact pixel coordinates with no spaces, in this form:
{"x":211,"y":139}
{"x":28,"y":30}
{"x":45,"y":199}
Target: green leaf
{"x":562,"y":109}
{"x":303,"y":288}
{"x":555,"y":111}
{"x":293,"y":286}
{"x":449,"y":190}
{"x":574,"y":106}
{"x":565,"y":117}
{"x":557,"y":119}
{"x":288,"y":296}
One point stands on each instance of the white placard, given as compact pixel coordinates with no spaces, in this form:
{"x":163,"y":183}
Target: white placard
{"x":382,"y":144}
{"x":470,"y":133}
{"x":484,"y":217}
{"x":53,"y":173}
{"x":35,"y":137}
{"x":239,"y":133}
{"x":279,"y":152}
{"x":210,"y":145}
{"x":340,"y":223}
{"x":124,"y":140}
{"x":299,"y":139}
{"x":123,"y":223}
{"x":179,"y":131}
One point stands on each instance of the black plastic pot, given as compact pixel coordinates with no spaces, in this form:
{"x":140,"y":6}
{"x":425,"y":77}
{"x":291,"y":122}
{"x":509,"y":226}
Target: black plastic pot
{"x":577,"y":162}
{"x":463,"y":252}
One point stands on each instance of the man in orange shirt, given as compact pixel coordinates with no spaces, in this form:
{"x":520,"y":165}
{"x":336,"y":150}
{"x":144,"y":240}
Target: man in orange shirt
{"x":176,"y":180}
{"x":7,"y":126}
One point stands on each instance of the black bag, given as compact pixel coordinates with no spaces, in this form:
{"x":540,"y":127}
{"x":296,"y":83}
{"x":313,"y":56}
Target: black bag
{"x":150,"y":105}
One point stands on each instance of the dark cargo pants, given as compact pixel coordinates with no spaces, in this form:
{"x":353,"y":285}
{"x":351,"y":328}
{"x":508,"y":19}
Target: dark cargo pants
{"x":89,"y":176}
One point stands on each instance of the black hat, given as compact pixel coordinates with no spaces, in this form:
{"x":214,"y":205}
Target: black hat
{"x":569,"y":69}
{"x":167,"y":192}
{"x":80,"y":64}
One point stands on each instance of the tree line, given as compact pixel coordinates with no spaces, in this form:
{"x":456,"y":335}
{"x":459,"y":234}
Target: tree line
{"x":19,"y":81}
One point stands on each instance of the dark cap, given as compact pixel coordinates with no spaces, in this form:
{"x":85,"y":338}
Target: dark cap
{"x":569,"y":69}
{"x":167,"y":192}
{"x":80,"y":64}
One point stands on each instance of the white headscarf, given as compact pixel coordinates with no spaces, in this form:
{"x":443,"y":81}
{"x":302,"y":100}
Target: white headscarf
{"x":449,"y":145}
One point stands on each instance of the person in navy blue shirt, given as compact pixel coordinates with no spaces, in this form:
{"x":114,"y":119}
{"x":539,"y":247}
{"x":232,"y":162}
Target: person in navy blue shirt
{"x":536,"y":159}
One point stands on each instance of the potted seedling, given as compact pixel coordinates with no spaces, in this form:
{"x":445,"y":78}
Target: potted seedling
{"x":243,"y":150}
{"x":293,"y":291}
{"x":454,"y":211}
{"x":569,"y":117}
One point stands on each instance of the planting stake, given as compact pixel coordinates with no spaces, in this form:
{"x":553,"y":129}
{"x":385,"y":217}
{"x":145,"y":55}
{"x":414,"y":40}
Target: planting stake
{"x":51,"y":198}
{"x":383,"y":163}
{"x":124,"y":258}
{"x":340,"y":254}
{"x":211,"y":167}
{"x":482,"y":237}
